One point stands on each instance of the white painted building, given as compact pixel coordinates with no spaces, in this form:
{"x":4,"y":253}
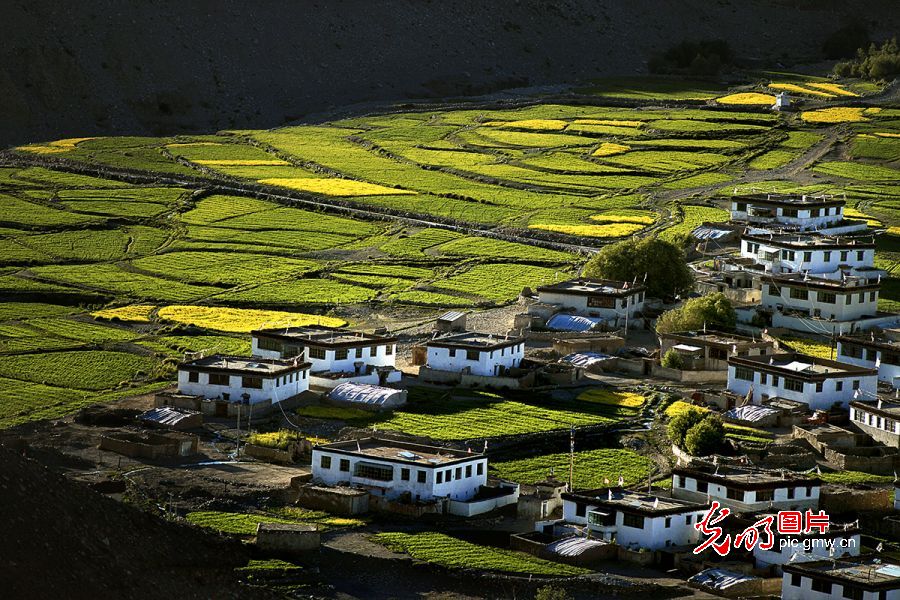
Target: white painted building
{"x":804,"y":213}
{"x":745,"y":489}
{"x":869,"y":577}
{"x":844,"y":539}
{"x":633,"y":519}
{"x":880,"y":419}
{"x":231,"y":378}
{"x":615,"y":302}
{"x":394,"y":469}
{"x":475,"y":353}
{"x":873,"y":350}
{"x":336,"y":356}
{"x":822,"y":256}
{"x":817,"y":382}
{"x":852,"y":299}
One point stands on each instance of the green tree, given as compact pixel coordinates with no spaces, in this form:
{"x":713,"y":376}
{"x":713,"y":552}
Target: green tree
{"x":712,"y":310}
{"x":662,"y":263}
{"x":672,"y":359}
{"x":705,"y":437}
{"x":680,"y":424}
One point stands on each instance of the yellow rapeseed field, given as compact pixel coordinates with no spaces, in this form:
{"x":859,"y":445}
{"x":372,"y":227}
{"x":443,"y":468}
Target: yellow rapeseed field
{"x":833,"y":88}
{"x":335,"y":187}
{"x":615,"y":218}
{"x":136,"y":313}
{"x":887,"y":134}
{"x":855,"y":214}
{"x":609,"y":230}
{"x":872,"y":111}
{"x":611,"y":398}
{"x":535,"y":124}
{"x":799,"y":89}
{"x":54,"y":147}
{"x":747,"y":98}
{"x":242,"y":163}
{"x":838,"y":114}
{"x":610,"y":122}
{"x":610,"y":149}
{"x":241,"y":320}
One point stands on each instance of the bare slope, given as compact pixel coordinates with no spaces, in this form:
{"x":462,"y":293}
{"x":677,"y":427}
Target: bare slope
{"x":101,"y":66}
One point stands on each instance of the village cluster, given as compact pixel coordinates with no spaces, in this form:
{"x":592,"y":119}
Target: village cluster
{"x":790,"y":264}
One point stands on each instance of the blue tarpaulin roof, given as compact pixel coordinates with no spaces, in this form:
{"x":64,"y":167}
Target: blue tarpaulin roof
{"x":572,"y":322}
{"x":585,"y":359}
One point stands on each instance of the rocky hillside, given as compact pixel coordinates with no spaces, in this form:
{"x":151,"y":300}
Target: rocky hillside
{"x":163,"y":66}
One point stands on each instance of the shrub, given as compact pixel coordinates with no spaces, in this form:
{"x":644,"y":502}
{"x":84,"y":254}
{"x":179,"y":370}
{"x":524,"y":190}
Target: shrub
{"x":873,"y":63}
{"x":551,"y":593}
{"x":684,"y":421}
{"x":661,"y":262}
{"x":705,"y":437}
{"x":672,"y":360}
{"x":711,"y":310}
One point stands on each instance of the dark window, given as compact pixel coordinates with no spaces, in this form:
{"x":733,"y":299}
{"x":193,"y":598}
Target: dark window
{"x":818,"y":386}
{"x":404,"y":474}
{"x":468,"y":471}
{"x":440,"y":477}
{"x":790,"y":493}
{"x":325,"y":462}
{"x":373,"y":471}
{"x":687,"y":519}
{"x":734,"y":494}
{"x":702,"y":487}
{"x":826,"y":297}
{"x":827,"y":255}
{"x":580,"y":509}
{"x":859,"y":254}
{"x":844,"y":254}
{"x":679,"y":481}
{"x":458,"y":473}
{"x":344,"y":465}
{"x":472,"y":354}
{"x":838,"y":385}
{"x":422,"y":476}
{"x":389,"y":349}
{"x":743,"y":373}
{"x":340,"y":354}
{"x":318,"y":353}
{"x":254,"y":383}
{"x":193,"y":376}
{"x":636,"y":521}
{"x":856,"y":384}
{"x":807,"y":257}
{"x":668,"y":522}
{"x":795,"y":580}
{"x":765,"y":495}
{"x":794,"y":385}
{"x":872,"y":296}
{"x":853,"y":593}
{"x":268,"y":344}
{"x":480,"y":469}
{"x":823,"y":587}
{"x":219,"y":379}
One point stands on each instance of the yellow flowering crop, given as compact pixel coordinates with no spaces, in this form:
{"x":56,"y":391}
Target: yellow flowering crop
{"x":332,"y":186}
{"x":841,"y":114}
{"x":747,"y":98}
{"x":610,"y":149}
{"x":242,"y":320}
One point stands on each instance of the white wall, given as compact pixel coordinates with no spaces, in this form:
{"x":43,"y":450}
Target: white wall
{"x":376,"y":355}
{"x":814,"y":260}
{"x":805,"y":591}
{"x":462,"y":488}
{"x":274,"y":389}
{"x":629,"y":305}
{"x":488,"y":360}
{"x":886,"y":372}
{"x":849,"y":305}
{"x":718,"y":491}
{"x":843,"y":545}
{"x":653,"y":535}
{"x":814,"y":399}
{"x":804,"y":219}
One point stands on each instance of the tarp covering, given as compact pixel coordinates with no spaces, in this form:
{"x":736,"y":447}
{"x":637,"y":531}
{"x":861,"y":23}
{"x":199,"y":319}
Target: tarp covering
{"x":166,"y":415}
{"x":585,"y":359}
{"x":574,"y":546}
{"x":719,"y":579}
{"x":750,"y":413}
{"x":709,"y":233}
{"x":363,"y":393}
{"x":572,"y":322}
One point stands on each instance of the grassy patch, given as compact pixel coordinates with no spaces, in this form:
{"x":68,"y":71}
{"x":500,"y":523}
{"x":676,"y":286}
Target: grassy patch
{"x":86,"y":370}
{"x":592,"y":468}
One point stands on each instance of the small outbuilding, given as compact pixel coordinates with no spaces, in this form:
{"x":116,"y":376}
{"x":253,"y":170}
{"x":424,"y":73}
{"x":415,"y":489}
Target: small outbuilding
{"x":167,"y":417}
{"x":371,"y":397}
{"x":450,"y":322}
{"x":287,"y":537}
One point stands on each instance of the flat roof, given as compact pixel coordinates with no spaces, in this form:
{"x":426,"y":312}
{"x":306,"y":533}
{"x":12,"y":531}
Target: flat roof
{"x":271,"y":367}
{"x":871,"y":572}
{"x":638,"y":503}
{"x":746,"y":478}
{"x":472,"y":340}
{"x":807,"y":240}
{"x":400,"y":452}
{"x":712,"y":337}
{"x":323,"y":336}
{"x":805,"y":200}
{"x":802,"y":366}
{"x":871,"y":340}
{"x":885,"y":408}
{"x":849,"y":285}
{"x":593,"y":287}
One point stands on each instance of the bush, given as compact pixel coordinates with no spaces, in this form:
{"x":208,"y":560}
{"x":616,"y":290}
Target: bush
{"x":662,"y":263}
{"x":873,"y":63}
{"x":712,"y":310}
{"x":705,"y":437}
{"x":680,"y":424}
{"x":672,"y":360}
{"x":551,"y":593}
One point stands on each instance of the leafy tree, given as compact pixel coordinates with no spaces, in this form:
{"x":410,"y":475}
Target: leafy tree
{"x":663,"y":264}
{"x":680,"y":424}
{"x":705,"y":437}
{"x":672,"y":359}
{"x":552,"y":593}
{"x":873,"y":63}
{"x":713,"y":310}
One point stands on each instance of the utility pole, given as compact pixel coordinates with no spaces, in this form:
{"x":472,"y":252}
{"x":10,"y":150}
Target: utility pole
{"x":237,"y":453}
{"x":572,"y":458}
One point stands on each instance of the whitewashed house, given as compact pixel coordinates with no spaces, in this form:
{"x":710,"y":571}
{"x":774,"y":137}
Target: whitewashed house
{"x":824,"y":306}
{"x":804,"y":213}
{"x":336,"y":355}
{"x":633,"y":519}
{"x":878,"y":418}
{"x":234,"y":378}
{"x":873,"y":350}
{"x":817,"y":382}
{"x":821,"y":256}
{"x":844,"y":539}
{"x":391,"y":469}
{"x":745,"y":489}
{"x":475,"y":353}
{"x":617,"y":303}
{"x":868,"y":577}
